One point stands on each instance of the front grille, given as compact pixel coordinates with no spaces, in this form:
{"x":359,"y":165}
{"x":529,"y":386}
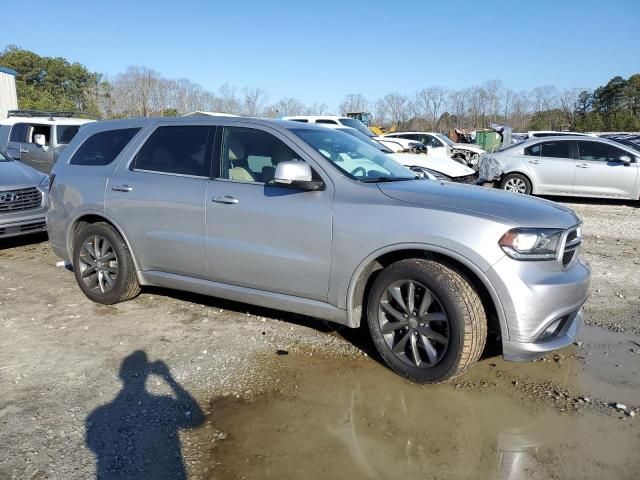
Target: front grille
{"x":567,"y":257}
{"x":469,"y":179}
{"x":571,"y":244}
{"x":18,"y":200}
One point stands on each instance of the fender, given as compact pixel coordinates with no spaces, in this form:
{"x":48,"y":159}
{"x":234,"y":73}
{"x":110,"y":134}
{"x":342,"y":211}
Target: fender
{"x":353,"y":322}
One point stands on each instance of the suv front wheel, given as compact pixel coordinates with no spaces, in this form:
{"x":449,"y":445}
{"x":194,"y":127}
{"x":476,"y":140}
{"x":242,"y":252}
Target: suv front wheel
{"x":103,"y":265}
{"x":426,"y":320}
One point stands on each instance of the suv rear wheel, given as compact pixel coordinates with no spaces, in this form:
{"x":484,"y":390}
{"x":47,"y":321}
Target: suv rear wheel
{"x":426,"y":320}
{"x":103,"y":266}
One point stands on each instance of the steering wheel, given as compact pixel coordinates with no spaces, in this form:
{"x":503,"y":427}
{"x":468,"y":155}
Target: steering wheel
{"x":358,"y":169}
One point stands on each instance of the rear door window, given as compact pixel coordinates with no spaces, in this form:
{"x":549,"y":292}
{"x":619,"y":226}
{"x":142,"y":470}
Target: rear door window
{"x":180,"y":150}
{"x":533,"y":150}
{"x":65,"y":133}
{"x":561,"y":149}
{"x":102,"y":148}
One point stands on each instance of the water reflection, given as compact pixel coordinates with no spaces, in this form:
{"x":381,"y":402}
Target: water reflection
{"x":368,"y":423}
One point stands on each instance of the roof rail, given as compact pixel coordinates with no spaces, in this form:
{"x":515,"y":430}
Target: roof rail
{"x":40,"y":113}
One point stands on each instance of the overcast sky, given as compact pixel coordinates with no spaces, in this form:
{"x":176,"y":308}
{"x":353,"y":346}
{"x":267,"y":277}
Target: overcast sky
{"x":322,"y":50}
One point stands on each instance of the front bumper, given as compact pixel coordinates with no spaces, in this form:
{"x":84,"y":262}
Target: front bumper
{"x":27,"y":222}
{"x":542,"y":304}
{"x":523,"y":352}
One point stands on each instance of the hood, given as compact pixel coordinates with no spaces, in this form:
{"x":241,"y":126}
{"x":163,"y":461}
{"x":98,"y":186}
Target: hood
{"x":470,"y":147}
{"x":513,"y":208}
{"x":441,"y":164}
{"x":14,"y":174}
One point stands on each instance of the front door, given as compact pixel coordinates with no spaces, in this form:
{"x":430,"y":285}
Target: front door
{"x":552,"y":166}
{"x":600,"y":172}
{"x":159,"y":199}
{"x":22,"y":143}
{"x":264,"y":236}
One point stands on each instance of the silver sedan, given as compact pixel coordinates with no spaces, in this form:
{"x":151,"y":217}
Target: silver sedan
{"x":581,"y":166}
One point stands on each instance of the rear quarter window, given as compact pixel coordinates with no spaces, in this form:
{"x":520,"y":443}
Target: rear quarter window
{"x":102,"y":148}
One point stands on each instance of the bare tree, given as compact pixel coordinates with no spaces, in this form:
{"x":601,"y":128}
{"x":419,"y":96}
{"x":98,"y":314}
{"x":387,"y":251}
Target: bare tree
{"x":253,"y":101}
{"x":492,"y":90}
{"x":430,"y":103}
{"x":543,"y":98}
{"x":568,"y":99}
{"x":354,"y":102}
{"x":395,"y":105}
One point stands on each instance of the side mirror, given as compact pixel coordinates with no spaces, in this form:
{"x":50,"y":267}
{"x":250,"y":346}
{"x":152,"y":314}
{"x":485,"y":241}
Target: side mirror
{"x":39,"y":139}
{"x":296,"y":175}
{"x":625,"y":159}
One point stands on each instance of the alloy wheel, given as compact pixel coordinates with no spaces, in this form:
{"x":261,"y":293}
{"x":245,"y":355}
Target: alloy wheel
{"x":515,"y":185}
{"x":98,"y":264}
{"x":413,"y":323}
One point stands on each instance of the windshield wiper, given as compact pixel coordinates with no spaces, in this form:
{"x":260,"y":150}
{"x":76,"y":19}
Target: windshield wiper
{"x":388,"y":179}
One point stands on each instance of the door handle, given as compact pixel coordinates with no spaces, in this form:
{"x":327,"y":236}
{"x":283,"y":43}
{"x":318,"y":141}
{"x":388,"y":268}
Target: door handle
{"x":121,"y":188}
{"x":226,"y":199}
{"x":534,"y":162}
{"x":582,"y":165}
{"x":24,"y":150}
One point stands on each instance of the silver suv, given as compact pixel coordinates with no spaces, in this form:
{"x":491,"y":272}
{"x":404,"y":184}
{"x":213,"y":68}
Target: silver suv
{"x":311,"y":220}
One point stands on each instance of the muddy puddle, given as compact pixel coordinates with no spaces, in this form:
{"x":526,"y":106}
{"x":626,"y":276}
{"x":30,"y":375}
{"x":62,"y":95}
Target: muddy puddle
{"x":338,"y":418}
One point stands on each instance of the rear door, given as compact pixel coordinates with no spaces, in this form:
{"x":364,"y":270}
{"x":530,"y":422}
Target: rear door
{"x":264,"y":236}
{"x":158,"y":198}
{"x":600,"y":172}
{"x":551,"y":164}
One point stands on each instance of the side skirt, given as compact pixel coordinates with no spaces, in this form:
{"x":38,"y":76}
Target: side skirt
{"x":277,"y":301}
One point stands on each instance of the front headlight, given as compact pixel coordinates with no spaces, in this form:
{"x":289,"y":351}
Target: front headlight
{"x":532,"y":243}
{"x":44,"y":183}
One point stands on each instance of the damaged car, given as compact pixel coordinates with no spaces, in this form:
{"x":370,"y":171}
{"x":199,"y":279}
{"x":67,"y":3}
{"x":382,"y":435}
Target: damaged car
{"x":581,"y":166}
{"x":440,"y":144}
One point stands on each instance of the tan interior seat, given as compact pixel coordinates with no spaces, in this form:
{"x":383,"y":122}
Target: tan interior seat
{"x":238,"y":171}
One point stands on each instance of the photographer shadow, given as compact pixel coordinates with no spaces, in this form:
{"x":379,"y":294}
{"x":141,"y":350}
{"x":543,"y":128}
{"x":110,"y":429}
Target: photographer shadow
{"x":135,"y":436}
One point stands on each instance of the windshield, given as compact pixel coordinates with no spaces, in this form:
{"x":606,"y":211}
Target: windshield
{"x":66,"y":133}
{"x":357,"y":124}
{"x":445,"y":139}
{"x":358,"y":134}
{"x":359,"y":160}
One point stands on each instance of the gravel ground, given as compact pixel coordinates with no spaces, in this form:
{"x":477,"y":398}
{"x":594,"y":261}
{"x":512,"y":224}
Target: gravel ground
{"x":62,"y":357}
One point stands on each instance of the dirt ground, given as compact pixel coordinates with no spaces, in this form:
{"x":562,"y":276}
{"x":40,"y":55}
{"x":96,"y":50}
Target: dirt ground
{"x":172,"y":383}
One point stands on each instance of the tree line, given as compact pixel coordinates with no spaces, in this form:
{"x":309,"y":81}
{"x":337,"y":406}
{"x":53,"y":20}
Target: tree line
{"x":48,"y":83}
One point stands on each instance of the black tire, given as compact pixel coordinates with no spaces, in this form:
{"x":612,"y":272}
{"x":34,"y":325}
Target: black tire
{"x":512,"y":180}
{"x":458,"y":301}
{"x":124,"y":282}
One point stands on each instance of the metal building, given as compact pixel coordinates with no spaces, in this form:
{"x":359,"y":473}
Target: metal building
{"x":8,"y":95}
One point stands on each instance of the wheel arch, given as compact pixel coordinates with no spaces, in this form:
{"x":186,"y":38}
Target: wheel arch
{"x":365,"y":274}
{"x":88,"y":218}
